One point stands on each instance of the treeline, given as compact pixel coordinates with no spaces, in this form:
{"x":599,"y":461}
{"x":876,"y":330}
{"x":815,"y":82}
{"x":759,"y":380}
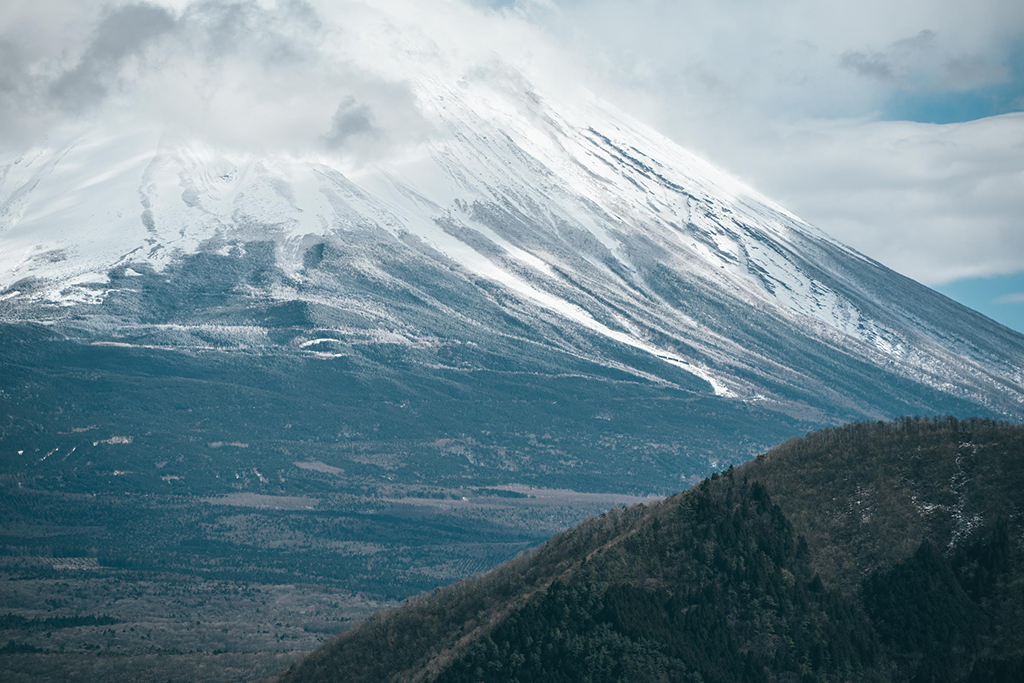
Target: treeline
{"x":936,"y":613}
{"x":16,"y":622}
{"x":917,"y":523}
{"x":720,"y":589}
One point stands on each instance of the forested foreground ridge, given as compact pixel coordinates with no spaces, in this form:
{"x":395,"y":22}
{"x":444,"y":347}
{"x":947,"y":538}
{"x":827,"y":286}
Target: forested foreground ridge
{"x":871,"y":552}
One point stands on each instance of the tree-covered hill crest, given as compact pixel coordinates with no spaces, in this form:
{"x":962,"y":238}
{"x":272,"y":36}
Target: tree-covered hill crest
{"x":742,"y":578}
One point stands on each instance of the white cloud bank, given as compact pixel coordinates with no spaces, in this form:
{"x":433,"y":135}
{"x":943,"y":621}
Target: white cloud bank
{"x":936,"y":202}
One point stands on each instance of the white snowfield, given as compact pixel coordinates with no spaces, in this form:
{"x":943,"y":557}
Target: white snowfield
{"x":582,"y":215}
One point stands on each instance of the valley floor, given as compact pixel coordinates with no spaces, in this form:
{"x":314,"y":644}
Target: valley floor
{"x":236,"y":587}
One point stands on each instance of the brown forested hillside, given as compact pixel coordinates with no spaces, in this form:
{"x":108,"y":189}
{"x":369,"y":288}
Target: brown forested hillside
{"x":885,"y":551}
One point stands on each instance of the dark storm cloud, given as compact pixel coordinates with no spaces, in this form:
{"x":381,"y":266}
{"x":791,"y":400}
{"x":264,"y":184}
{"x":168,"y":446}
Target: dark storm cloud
{"x":19,"y":94}
{"x":352,"y":118}
{"x":874,"y":65}
{"x":924,"y":39}
{"x":245,"y":73}
{"x":122,"y":33}
{"x":892,"y":63}
{"x":213,"y":28}
{"x":964,"y":73}
{"x":9,"y":67}
{"x":918,"y":63}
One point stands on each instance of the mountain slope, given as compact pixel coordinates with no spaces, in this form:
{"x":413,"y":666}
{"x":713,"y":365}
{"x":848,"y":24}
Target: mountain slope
{"x":523,"y":214}
{"x":722,"y":582}
{"x":531,"y":240}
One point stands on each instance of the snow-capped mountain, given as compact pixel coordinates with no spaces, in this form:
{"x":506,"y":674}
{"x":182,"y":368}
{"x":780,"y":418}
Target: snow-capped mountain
{"x":570,"y":212}
{"x":527,"y":232}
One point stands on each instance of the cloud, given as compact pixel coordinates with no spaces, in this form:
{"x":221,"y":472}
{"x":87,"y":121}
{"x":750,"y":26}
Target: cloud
{"x":973,"y":71}
{"x":123,"y":32}
{"x":873,"y":65}
{"x":893,"y":64}
{"x":337,"y":77}
{"x":897,"y":63}
{"x":250,"y":74}
{"x":936,"y":202}
{"x":794,"y":59}
{"x":917,"y":63}
{"x":1013,"y":298}
{"x":351,"y":119}
{"x":922,"y":41}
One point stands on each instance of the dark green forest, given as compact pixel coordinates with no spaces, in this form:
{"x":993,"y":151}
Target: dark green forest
{"x":872,"y":552}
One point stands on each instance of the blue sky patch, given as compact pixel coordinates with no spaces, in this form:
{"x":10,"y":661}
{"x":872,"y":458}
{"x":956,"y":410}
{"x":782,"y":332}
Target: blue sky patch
{"x":956,"y":105}
{"x":1000,"y":298}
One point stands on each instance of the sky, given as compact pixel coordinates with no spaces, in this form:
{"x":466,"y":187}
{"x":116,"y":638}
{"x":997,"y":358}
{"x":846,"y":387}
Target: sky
{"x":896,"y":127}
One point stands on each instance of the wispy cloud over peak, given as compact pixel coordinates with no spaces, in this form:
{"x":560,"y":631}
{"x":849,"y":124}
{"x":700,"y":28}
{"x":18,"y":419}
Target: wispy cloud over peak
{"x":122,"y":32}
